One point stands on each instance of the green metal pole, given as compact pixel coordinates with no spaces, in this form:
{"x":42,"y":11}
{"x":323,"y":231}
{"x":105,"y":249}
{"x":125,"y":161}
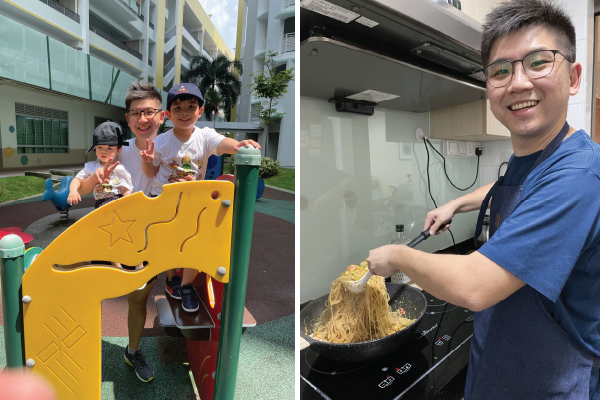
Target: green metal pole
{"x":11,"y":274}
{"x":247,"y":162}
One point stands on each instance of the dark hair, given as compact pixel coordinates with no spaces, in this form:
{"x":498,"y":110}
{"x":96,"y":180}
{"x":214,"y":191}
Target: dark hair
{"x":140,"y":90}
{"x":517,"y":15}
{"x":183,"y":98}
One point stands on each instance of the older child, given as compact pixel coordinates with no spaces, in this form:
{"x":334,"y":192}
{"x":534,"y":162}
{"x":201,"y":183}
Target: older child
{"x":180,"y":155}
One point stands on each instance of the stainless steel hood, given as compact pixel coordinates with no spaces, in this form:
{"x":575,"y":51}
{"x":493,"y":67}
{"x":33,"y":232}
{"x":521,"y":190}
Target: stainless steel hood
{"x":341,"y":59}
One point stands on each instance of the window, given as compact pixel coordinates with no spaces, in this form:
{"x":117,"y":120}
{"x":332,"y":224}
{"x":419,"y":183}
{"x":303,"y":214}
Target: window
{"x":41,"y":130}
{"x":126,"y":131}
{"x":280,"y":68}
{"x":100,"y":120}
{"x":254,"y":112}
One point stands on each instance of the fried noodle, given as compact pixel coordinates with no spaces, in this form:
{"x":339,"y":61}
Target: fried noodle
{"x":358,"y":317}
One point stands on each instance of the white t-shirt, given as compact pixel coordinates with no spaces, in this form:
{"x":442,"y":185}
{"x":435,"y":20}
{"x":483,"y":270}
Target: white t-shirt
{"x":119,"y":177}
{"x":131,"y":159}
{"x":178,"y":159}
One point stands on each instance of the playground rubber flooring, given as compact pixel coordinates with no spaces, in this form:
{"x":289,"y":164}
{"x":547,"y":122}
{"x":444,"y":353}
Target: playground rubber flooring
{"x":266,"y":366}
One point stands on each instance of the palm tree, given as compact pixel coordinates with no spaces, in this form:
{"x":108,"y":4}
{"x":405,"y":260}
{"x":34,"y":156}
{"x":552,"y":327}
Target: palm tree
{"x":213,"y":99}
{"x":216,"y":74}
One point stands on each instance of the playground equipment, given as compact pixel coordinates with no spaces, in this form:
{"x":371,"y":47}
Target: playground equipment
{"x":59,"y":198}
{"x":260,"y":187}
{"x":54,"y":308}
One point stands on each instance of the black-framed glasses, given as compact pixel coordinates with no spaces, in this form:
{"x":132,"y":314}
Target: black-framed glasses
{"x":536,"y":65}
{"x":148,"y":112}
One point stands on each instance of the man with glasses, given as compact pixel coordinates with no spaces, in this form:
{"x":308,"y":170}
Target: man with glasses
{"x":535,"y":285}
{"x":144,"y":116}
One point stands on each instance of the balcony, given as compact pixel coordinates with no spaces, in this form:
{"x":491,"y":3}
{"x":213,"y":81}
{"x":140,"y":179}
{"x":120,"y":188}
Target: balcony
{"x":207,"y":54}
{"x":288,"y":3}
{"x":169,"y":66}
{"x":151,"y":25}
{"x":288,"y":42}
{"x":114,"y":41}
{"x":149,"y":62}
{"x":62,"y":9}
{"x":186,"y":55}
{"x":263,"y":15}
{"x":189,"y":30}
{"x":171,"y":33}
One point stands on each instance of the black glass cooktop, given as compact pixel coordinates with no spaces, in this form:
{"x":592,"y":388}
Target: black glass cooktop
{"x":418,"y":370}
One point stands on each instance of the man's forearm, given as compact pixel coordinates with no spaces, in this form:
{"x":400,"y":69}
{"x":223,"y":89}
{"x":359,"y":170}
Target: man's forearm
{"x":148,"y":169}
{"x":471,"y":201}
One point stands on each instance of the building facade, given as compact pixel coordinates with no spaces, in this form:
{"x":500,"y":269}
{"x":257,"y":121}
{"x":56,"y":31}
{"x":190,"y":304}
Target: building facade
{"x":65,"y":67}
{"x":268,"y":25}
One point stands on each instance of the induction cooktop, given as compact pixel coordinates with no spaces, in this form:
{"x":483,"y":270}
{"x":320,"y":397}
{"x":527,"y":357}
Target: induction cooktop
{"x":418,"y":370}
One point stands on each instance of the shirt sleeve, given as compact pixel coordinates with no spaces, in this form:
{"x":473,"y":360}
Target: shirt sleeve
{"x":85,"y":172}
{"x":555,"y":222}
{"x":157,"y":151}
{"x":212,"y":141}
{"x":126,"y":179}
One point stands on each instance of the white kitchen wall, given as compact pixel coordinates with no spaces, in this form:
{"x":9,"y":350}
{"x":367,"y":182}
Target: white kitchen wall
{"x":360,"y":177}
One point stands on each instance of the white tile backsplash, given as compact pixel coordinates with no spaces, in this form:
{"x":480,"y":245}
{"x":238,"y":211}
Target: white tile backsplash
{"x":488,"y":175}
{"x":575,"y":115}
{"x":491,"y":152}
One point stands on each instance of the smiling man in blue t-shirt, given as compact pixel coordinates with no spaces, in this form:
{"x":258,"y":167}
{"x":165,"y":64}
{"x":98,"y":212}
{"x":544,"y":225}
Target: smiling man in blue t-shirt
{"x":535,"y":285}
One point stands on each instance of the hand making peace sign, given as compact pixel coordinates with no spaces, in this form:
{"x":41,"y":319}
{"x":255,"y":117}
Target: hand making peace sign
{"x":148,"y":154}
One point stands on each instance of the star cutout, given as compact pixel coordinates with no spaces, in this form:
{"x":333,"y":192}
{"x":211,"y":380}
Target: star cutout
{"x":118,"y":230}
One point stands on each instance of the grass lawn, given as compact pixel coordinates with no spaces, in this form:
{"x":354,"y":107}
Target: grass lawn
{"x":18,"y":187}
{"x":285,"y":179}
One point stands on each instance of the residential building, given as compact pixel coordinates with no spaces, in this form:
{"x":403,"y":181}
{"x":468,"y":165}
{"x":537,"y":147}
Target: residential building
{"x":65,"y":67}
{"x":268,"y":25}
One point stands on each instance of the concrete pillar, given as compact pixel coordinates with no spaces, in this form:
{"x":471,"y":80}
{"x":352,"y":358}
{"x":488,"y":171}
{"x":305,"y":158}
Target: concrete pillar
{"x":84,"y":20}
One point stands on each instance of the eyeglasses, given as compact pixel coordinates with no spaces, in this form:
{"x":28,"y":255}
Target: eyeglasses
{"x":535,"y":65}
{"x":149,"y":113}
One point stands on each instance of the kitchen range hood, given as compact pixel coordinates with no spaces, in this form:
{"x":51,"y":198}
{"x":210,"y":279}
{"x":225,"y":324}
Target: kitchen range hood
{"x":424,"y":51}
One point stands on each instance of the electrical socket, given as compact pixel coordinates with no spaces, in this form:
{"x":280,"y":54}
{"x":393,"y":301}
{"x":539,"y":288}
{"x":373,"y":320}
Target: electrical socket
{"x":471,"y":146}
{"x":451,"y":148}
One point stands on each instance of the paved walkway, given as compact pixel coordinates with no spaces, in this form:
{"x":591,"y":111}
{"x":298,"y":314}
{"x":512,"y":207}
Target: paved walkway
{"x":4,"y":172}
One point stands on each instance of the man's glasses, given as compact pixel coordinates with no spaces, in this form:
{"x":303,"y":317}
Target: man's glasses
{"x":149,"y":113}
{"x":536,"y":65}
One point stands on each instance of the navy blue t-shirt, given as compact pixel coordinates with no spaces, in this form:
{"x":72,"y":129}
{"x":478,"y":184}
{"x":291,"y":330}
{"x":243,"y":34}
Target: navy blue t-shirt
{"x":551,"y":241}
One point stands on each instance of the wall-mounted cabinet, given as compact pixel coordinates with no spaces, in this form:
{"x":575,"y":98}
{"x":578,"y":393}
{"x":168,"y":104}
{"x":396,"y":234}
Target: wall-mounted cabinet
{"x":472,"y":121}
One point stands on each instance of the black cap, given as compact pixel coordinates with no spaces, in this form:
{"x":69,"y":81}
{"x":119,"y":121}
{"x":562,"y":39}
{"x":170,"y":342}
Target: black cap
{"x":399,"y":228}
{"x":109,"y":134}
{"x":184,"y":89}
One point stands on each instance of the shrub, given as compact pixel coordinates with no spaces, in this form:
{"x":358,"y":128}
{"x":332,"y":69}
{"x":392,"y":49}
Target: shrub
{"x":268,"y":167}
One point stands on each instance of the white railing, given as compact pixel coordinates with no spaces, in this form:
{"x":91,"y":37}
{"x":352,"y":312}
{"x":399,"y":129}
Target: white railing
{"x":171,"y":33}
{"x":207,"y":54}
{"x":288,"y":42}
{"x":169,"y":66}
{"x":287,"y":3}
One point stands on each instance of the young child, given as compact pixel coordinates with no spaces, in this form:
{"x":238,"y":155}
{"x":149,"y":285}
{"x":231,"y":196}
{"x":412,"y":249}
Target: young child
{"x":108,"y":142}
{"x":180,"y":155}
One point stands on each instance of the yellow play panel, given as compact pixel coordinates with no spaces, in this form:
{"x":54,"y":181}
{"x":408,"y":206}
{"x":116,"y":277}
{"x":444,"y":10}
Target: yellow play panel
{"x":187,"y":226}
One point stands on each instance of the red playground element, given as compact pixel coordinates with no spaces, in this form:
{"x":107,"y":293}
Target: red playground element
{"x":225,"y":178}
{"x":26,"y":237}
{"x":202,"y":355}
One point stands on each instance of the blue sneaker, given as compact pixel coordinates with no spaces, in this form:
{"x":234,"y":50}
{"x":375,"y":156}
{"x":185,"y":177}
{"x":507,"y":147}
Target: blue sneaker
{"x":189,"y":299}
{"x":173,"y":287}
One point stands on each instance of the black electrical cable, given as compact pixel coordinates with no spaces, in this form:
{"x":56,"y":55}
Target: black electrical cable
{"x":432,"y":199}
{"x":445,"y":172}
{"x":500,"y":167}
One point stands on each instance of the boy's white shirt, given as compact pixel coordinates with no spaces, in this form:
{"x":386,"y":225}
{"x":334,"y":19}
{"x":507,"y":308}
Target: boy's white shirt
{"x":119,"y":177}
{"x":178,"y":159}
{"x":131,"y":159}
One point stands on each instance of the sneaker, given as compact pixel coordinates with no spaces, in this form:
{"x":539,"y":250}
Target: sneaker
{"x":173,"y":286}
{"x":189,"y":298}
{"x":143,"y":370}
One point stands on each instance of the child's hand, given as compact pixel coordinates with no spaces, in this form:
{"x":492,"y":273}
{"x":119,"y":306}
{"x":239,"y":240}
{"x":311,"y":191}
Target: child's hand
{"x":247,"y":143}
{"x":74,"y":197}
{"x":189,"y":178}
{"x":103,"y":174}
{"x":148,"y":154}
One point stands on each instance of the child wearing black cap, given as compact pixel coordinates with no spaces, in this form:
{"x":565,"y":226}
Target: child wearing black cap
{"x":108,"y":142}
{"x":179,"y":155}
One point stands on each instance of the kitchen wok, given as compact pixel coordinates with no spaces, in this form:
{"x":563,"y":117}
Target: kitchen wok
{"x":410,"y":299}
